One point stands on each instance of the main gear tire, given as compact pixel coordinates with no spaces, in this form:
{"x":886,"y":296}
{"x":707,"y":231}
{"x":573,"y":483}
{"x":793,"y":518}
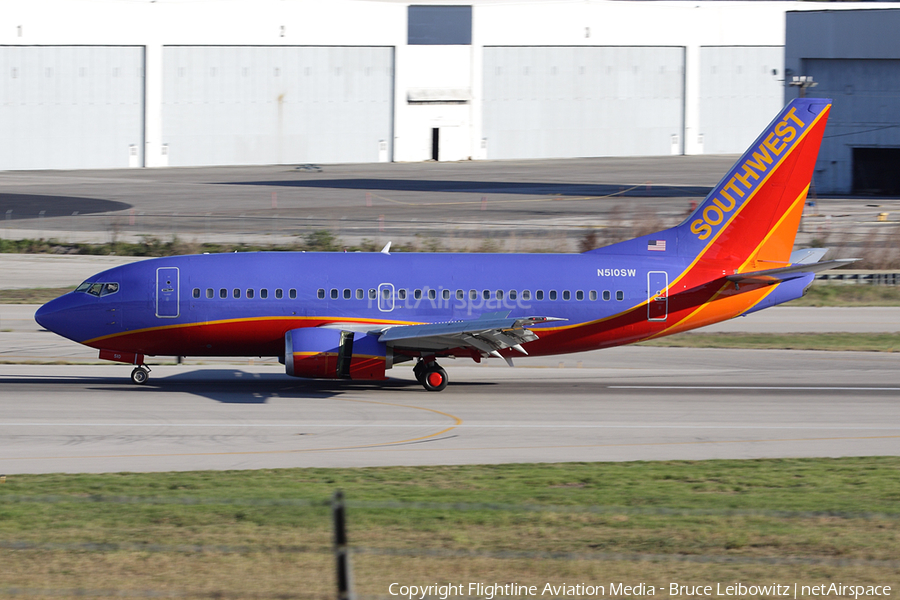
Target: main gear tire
{"x":435,"y":379}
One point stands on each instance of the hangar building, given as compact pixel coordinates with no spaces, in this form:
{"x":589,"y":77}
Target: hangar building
{"x":145,"y":83}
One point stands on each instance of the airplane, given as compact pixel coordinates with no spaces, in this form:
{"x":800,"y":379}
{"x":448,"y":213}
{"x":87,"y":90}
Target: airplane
{"x":356,"y":315}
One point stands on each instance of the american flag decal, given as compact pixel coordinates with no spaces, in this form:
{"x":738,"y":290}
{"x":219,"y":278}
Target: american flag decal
{"x":659,"y":245}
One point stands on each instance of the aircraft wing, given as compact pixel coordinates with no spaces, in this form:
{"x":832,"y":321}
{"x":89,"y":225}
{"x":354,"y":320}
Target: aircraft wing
{"x":786,"y":273}
{"x":489,"y":333}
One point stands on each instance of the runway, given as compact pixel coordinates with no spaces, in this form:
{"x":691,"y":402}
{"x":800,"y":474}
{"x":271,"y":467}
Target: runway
{"x":631,"y":403}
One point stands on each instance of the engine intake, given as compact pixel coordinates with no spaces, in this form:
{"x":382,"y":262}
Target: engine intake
{"x":334,"y":354}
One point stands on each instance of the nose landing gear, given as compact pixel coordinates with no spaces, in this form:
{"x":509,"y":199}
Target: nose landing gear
{"x":431,"y":375}
{"x":140,"y":375}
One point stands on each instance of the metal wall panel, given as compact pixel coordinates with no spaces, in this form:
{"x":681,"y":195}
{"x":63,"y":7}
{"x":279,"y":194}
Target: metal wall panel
{"x":268,"y":105}
{"x":741,"y":89}
{"x":865,"y":113}
{"x":71,"y":107}
{"x":557,"y":102}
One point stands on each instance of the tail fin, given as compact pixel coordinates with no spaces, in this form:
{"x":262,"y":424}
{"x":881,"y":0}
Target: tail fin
{"x":750,"y":220}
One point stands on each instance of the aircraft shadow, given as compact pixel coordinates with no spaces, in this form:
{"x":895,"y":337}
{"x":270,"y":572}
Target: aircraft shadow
{"x":495,"y":187}
{"x":32,"y":206}
{"x":234,"y":386}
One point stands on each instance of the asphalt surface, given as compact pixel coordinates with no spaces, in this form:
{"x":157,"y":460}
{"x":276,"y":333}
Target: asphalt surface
{"x":616,"y":405}
{"x":504,"y":205}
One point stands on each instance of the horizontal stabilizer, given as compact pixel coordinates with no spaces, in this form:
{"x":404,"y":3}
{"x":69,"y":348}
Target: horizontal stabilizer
{"x":786,"y":273}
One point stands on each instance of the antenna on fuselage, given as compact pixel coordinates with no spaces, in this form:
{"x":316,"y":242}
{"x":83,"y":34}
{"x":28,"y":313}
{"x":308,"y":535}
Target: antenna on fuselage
{"x":386,"y":249}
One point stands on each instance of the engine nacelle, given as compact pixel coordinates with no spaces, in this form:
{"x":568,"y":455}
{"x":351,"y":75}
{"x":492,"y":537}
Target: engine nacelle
{"x":334,"y":354}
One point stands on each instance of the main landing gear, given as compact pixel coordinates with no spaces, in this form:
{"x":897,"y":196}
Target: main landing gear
{"x":431,"y":375}
{"x":140,"y":375}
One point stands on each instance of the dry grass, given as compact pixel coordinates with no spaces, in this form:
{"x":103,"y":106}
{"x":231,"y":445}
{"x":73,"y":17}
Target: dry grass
{"x":254,"y":548}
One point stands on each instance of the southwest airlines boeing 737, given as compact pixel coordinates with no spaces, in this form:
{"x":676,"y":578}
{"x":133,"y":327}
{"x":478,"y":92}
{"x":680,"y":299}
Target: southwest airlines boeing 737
{"x":356,"y":315}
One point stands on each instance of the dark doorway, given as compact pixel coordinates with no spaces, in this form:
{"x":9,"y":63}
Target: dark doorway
{"x":876,"y":171}
{"x":435,"y":143}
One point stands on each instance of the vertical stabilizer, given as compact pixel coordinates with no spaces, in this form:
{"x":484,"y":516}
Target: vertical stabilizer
{"x":750,"y":219}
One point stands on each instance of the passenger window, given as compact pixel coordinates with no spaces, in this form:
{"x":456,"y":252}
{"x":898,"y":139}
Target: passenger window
{"x":567,"y":295}
{"x":401,"y":294}
{"x":552,"y":295}
{"x":223,"y":293}
{"x":606,"y":295}
{"x":417,"y":294}
{"x":445,"y":294}
{"x":293,"y":293}
{"x":486,"y":294}
{"x":460,"y":295}
{"x":279,"y":293}
{"x":236,"y":293}
{"x":579,"y":295}
{"x":196,"y":292}
{"x":539,"y":295}
{"x":513,"y":294}
{"x":112,"y":288}
{"x":250,"y":293}
{"x":386,"y":293}
{"x":372,"y":294}
{"x":593,"y":294}
{"x":347,"y":294}
{"x":320,"y":294}
{"x":620,"y":295}
{"x":499,"y":295}
{"x":263,"y":293}
{"x":526,"y":294}
{"x":432,"y":294}
{"x":360,"y":295}
{"x":473,"y":295}
{"x":334,"y":294}
{"x":209,"y":292}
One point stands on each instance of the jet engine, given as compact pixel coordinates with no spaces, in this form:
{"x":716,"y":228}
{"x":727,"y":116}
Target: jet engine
{"x":334,"y":354}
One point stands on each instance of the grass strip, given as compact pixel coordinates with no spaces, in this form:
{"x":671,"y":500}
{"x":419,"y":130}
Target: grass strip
{"x":32,"y":295}
{"x":859,"y":342}
{"x":268,"y":533}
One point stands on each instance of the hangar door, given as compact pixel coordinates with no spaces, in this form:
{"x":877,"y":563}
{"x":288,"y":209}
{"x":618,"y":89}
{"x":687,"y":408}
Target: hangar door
{"x":558,"y":102}
{"x":741,"y":89}
{"x":228,"y":105}
{"x":863,"y":127}
{"x":71,"y":107}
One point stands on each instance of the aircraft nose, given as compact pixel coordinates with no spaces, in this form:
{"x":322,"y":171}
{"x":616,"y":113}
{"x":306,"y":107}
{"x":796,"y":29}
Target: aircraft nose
{"x":56,"y":316}
{"x":47,"y":316}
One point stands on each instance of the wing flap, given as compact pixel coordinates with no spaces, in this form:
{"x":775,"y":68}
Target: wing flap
{"x":488,"y":334}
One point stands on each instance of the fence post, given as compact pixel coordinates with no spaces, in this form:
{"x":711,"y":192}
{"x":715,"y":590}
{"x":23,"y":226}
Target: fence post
{"x":340,"y":547}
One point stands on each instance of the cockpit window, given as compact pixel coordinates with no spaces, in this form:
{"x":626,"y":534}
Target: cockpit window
{"x":98,"y":289}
